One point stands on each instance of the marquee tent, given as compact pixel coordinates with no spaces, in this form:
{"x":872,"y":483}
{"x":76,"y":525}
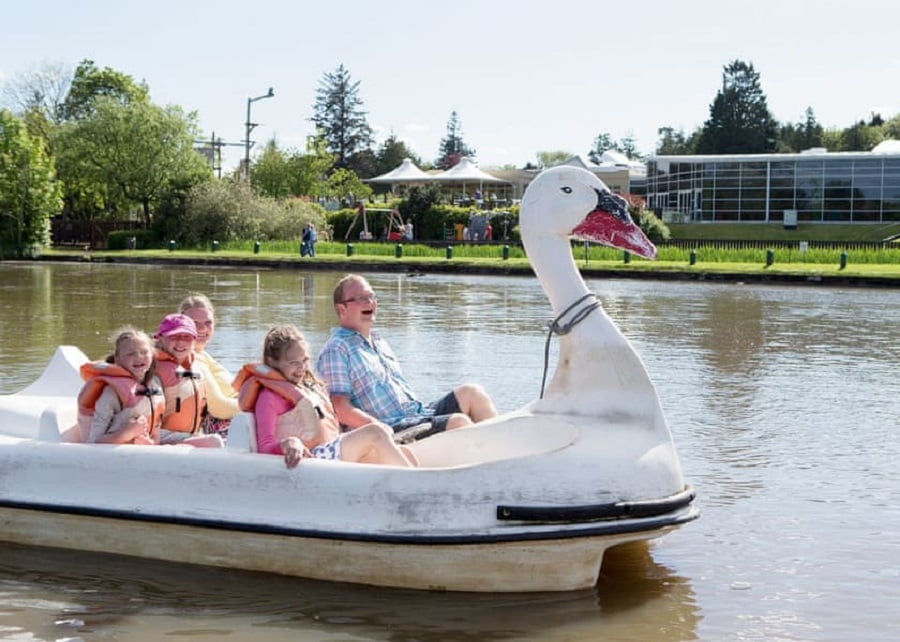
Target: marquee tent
{"x":465,"y":171}
{"x":405,"y":172}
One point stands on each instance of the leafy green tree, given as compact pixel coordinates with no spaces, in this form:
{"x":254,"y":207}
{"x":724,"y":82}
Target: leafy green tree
{"x":91,"y":83}
{"x":892,"y":128}
{"x":739,"y":118}
{"x":339,"y":117}
{"x":270,"y":172}
{"x":861,"y":137}
{"x":135,"y":151}
{"x":309,"y":171}
{"x":551,"y":158}
{"x":453,"y":147}
{"x":29,"y":193}
{"x":346,"y":185}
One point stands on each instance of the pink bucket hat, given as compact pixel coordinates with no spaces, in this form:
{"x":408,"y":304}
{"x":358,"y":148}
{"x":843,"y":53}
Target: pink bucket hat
{"x":176,"y":324}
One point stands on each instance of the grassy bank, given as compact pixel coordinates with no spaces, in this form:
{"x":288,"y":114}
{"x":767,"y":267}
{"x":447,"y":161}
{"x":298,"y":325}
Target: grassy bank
{"x":775,"y":232}
{"x":864,"y":267}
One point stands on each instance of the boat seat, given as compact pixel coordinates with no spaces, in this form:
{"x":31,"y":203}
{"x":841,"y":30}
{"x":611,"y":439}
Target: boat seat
{"x":242,"y":433}
{"x":55,"y":422}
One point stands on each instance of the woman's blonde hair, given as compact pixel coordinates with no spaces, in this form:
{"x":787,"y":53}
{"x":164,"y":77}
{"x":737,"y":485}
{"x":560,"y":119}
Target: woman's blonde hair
{"x":196,"y":300}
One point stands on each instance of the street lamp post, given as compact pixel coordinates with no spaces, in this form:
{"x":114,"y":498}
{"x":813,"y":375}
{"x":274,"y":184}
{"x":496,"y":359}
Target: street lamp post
{"x":248,"y":128}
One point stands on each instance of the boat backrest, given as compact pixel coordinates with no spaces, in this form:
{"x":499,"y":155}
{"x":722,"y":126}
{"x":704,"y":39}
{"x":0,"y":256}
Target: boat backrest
{"x":56,"y":422}
{"x":62,"y":375}
{"x":242,"y":433}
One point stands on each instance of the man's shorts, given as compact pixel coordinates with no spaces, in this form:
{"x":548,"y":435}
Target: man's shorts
{"x":436,"y":413}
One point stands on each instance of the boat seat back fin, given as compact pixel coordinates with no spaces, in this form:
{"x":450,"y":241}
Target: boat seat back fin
{"x":58,"y":424}
{"x":62,"y":375}
{"x":242,"y":433}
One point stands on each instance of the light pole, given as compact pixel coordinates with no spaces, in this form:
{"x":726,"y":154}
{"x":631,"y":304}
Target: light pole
{"x":248,"y":128}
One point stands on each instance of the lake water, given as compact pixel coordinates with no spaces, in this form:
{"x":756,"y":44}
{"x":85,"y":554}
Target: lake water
{"x":782,"y":400}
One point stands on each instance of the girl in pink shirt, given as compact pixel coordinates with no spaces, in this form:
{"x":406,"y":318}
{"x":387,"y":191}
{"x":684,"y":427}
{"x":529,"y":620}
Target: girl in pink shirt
{"x":293,"y":412}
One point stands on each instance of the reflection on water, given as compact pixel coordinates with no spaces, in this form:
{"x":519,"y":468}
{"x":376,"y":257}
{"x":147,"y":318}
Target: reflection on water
{"x":782,"y":401}
{"x":51,"y":594}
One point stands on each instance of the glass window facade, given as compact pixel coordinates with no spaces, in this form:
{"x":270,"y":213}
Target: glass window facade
{"x":822,"y":188}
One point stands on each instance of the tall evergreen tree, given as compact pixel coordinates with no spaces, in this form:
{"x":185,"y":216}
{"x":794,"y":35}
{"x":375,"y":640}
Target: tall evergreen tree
{"x":739,"y":118}
{"x":339,"y":117}
{"x":453,"y":147}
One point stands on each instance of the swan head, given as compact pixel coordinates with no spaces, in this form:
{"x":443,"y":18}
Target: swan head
{"x":571,"y":202}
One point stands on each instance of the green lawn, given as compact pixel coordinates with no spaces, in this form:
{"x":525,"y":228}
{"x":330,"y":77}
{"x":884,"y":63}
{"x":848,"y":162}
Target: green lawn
{"x":776,"y":232}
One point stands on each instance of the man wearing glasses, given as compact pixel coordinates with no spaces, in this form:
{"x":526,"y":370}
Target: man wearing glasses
{"x":364,"y":378}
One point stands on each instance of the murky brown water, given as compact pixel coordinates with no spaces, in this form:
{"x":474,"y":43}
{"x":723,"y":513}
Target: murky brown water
{"x":782,"y":401}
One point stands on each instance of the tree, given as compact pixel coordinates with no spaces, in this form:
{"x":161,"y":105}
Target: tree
{"x":270,"y":172}
{"x":549,"y":159}
{"x":673,"y":143}
{"x":90,"y":83}
{"x":338,"y":116}
{"x":135,"y":151}
{"x":452,"y":147}
{"x":861,"y":137}
{"x":392,"y":153}
{"x":38,"y":96}
{"x":602,"y":142}
{"x":739,"y":118}
{"x":29,"y":193}
{"x":345,"y":185}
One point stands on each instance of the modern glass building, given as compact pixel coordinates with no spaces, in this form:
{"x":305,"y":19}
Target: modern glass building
{"x":815,"y":186}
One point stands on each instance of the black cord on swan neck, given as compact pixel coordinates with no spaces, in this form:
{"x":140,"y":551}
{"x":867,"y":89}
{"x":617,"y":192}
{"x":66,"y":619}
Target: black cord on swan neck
{"x":558,"y":327}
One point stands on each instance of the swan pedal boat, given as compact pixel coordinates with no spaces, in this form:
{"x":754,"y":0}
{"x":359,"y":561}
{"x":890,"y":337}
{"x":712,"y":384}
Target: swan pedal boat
{"x":528,"y":501}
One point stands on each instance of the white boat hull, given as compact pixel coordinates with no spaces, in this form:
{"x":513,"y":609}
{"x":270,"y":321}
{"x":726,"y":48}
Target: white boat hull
{"x":508,"y":505}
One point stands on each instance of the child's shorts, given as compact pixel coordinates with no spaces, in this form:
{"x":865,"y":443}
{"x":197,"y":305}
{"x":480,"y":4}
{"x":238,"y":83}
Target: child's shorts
{"x":331,"y":450}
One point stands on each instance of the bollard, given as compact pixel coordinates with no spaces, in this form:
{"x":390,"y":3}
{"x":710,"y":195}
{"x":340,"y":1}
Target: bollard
{"x":215,"y":246}
{"x":626,"y":256}
{"x":770,"y":257}
{"x":843,"y":260}
{"x":349,"y":249}
{"x":693,"y":257}
{"x":505,"y":252}
{"x":171,"y":246}
{"x":398,"y":251}
{"x":449,"y":252}
{"x":256,"y":247}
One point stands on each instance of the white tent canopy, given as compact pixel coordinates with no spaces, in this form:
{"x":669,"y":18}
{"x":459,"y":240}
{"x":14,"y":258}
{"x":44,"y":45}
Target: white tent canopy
{"x":465,"y":171}
{"x":405,"y":172}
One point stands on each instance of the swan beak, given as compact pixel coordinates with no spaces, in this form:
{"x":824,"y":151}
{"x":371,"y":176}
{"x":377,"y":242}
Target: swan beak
{"x":610,"y":223}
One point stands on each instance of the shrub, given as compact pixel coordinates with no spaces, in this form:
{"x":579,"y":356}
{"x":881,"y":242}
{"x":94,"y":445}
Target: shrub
{"x":143,"y":239}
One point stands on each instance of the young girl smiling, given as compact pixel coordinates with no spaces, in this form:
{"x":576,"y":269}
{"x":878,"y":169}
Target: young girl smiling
{"x":294,"y":416}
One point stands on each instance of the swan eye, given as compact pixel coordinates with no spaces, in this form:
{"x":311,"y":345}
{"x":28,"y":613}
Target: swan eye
{"x":566,"y":190}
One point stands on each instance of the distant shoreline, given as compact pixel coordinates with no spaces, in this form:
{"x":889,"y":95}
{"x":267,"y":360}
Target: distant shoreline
{"x":360,"y":264}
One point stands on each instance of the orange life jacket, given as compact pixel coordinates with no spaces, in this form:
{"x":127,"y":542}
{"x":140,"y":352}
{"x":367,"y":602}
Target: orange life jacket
{"x":138,"y":399}
{"x":312,"y":418}
{"x":185,"y":393}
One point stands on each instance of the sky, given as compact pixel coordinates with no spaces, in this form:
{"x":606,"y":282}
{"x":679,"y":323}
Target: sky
{"x":523,"y":77}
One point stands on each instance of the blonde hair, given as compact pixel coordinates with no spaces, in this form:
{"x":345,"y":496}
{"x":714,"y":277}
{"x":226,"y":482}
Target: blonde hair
{"x":130,"y":333}
{"x":278,"y":339}
{"x":196,"y":300}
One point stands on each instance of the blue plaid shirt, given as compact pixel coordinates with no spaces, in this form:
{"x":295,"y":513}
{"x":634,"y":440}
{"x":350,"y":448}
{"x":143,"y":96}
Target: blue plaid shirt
{"x":369,"y":376}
